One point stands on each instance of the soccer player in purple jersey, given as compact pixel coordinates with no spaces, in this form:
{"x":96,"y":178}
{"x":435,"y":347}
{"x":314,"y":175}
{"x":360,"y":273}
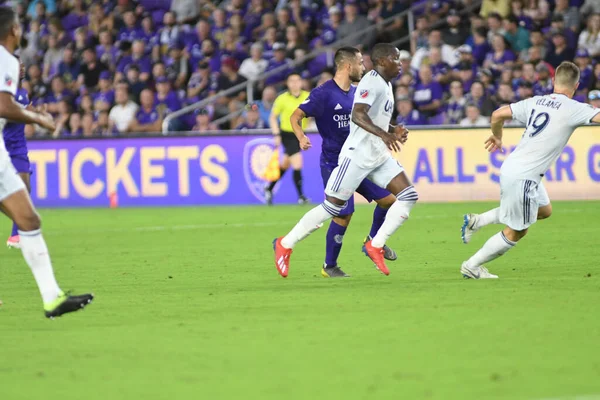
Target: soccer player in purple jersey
{"x":331,"y":105}
{"x":14,"y":140}
{"x":14,"y":199}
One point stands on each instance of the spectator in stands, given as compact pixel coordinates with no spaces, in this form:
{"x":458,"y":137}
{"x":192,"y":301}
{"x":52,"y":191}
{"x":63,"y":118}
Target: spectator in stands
{"x":268,"y":21}
{"x":466,"y":75}
{"x":52,"y":57}
{"x":203,"y":123}
{"x":353,"y":23}
{"x":169,"y":32}
{"x":147,"y":118}
{"x":254,"y":66}
{"x":166,"y":99}
{"x":138,"y":57}
{"x":590,"y":37}
{"x":455,"y":106}
{"x":211,"y":55}
{"x":201,"y":83}
{"x":456,"y":34}
{"x":265,"y":106}
{"x":186,"y":10}
{"x":428,"y":93}
{"x":74,"y":129}
{"x":525,"y":90}
{"x":480,"y":47}
{"x":517,"y":36}
{"x":590,"y":7}
{"x":82,"y":42}
{"x":594,"y":98}
{"x":293,"y":41}
{"x":495,"y":27}
{"x":518,"y":10}
{"x":279,"y":61}
{"x":284,"y":19}
{"x":478,"y":97}
{"x":219,"y":24}
{"x":228,"y":79}
{"x":440,"y":70}
{"x":105,"y":92}
{"x":584,"y":62}
{"x":136,"y":86}
{"x":176,"y":66}
{"x":32,"y":43}
{"x":253,"y":18}
{"x":58,"y":93}
{"x":537,"y":42}
{"x":538,"y":10}
{"x":500,"y":57}
{"x":561,"y":52}
{"x":505,"y":94}
{"x":544,"y":84}
{"x":103,"y":127}
{"x":419,"y":36}
{"x":90,"y":71}
{"x":407,"y":115}
{"x":63,"y":111}
{"x":232,"y":47}
{"x":569,"y":14}
{"x":123,"y":113}
{"x":251,"y":119}
{"x":528,"y":73}
{"x":474,"y":118}
{"x":106,"y":51}
{"x":87,"y":125}
{"x":449,"y":55}
{"x":100,"y":20}
{"x":86,"y":104}
{"x":149,"y":36}
{"x":69,"y":67}
{"x":34,"y":77}
{"x":76,"y":18}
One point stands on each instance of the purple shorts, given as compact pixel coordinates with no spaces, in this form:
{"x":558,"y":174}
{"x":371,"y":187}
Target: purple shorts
{"x":21,"y":163}
{"x":367,"y":189}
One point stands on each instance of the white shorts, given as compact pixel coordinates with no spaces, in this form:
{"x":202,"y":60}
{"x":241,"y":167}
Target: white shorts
{"x":10,"y":181}
{"x":519,"y":202}
{"x":348,"y":176}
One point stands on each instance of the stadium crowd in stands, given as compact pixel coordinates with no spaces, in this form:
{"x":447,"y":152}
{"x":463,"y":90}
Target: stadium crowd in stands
{"x":109,"y":67}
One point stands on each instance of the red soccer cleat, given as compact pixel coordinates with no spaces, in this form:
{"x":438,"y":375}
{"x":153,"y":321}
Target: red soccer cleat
{"x":13,"y":242}
{"x":376,"y":255}
{"x":282,"y":257}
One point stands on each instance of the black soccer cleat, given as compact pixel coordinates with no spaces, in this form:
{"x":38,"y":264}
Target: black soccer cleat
{"x":269,"y":196}
{"x":66,"y":304}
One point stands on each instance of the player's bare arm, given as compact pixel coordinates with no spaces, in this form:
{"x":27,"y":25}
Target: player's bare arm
{"x":494,"y":142}
{"x":596,"y":119}
{"x":296,"y":121}
{"x":360,"y":116}
{"x":10,"y":110}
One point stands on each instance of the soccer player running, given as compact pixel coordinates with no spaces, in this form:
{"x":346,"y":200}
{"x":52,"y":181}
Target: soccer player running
{"x":550,"y":121}
{"x":331,"y":104}
{"x":14,"y":140}
{"x":14,"y":198}
{"x":283,"y":107}
{"x":365,"y":154}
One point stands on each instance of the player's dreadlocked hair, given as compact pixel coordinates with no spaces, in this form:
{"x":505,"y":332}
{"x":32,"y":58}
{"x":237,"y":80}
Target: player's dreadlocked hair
{"x":381,"y":51}
{"x":344,"y":55}
{"x":7,"y":18}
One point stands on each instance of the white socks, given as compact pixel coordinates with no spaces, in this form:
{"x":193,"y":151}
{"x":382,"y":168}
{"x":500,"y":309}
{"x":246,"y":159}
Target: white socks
{"x":496,"y":246}
{"x":36,"y":255}
{"x":487,"y":218}
{"x":310,"y":222}
{"x":397,"y":214}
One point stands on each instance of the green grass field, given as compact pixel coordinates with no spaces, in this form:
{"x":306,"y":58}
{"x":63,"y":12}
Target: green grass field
{"x":189,"y":306}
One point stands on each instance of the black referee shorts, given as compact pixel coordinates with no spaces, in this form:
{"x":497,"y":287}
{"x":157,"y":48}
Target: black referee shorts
{"x":290,"y":143}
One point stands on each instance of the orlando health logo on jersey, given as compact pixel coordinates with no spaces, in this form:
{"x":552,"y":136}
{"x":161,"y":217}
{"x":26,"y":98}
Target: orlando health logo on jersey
{"x":256,"y":157}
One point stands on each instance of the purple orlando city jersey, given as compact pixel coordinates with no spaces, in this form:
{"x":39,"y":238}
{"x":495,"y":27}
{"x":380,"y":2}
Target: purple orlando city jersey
{"x":14,"y":133}
{"x":331,"y":108}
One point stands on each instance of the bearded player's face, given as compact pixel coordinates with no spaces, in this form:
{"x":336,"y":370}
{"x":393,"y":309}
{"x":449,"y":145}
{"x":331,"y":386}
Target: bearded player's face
{"x":358,"y":68}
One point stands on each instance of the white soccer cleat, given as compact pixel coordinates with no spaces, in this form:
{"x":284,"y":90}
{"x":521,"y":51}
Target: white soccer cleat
{"x":468,"y":227}
{"x":476,"y":272}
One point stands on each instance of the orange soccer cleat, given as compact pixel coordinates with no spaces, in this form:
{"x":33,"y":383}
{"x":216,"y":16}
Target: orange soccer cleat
{"x":376,"y":255}
{"x":282,"y":257}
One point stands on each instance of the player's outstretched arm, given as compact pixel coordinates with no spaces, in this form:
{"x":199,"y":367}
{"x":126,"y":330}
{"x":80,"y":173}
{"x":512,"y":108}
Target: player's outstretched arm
{"x":596,"y":119}
{"x":360,"y":116}
{"x":494,"y":142}
{"x":10,"y":110}
{"x":296,"y":121}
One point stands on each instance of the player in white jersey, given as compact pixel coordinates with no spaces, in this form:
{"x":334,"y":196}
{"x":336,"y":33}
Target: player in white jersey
{"x":365,"y":154}
{"x":550,"y":121}
{"x":14,"y":198}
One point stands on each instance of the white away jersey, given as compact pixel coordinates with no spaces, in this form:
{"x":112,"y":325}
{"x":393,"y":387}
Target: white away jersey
{"x":366,"y":149}
{"x":550,"y":121}
{"x":9,"y":82}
